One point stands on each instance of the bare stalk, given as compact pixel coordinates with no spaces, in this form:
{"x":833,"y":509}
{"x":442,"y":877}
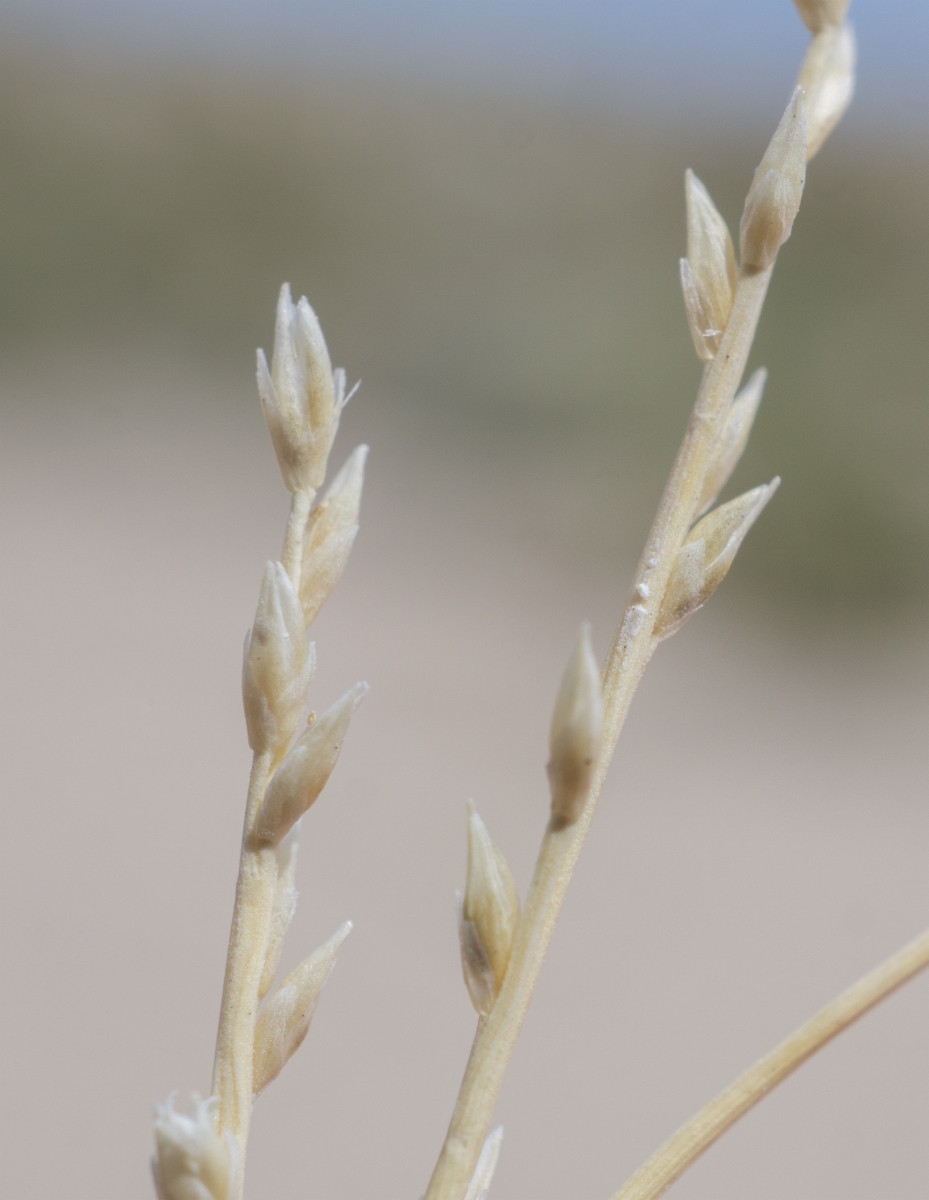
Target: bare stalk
{"x":701,"y":1131}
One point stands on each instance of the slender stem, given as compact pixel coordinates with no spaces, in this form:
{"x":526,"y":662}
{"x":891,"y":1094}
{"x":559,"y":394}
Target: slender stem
{"x":233,"y":1066}
{"x":676,"y":1155}
{"x":629,"y":654}
{"x":248,"y":940}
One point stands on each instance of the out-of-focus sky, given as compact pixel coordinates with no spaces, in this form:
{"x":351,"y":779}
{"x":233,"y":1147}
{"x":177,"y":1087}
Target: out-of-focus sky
{"x":605,"y":51}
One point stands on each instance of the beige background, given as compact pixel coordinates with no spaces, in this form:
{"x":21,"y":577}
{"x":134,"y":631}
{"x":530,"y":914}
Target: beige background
{"x":762,"y":839}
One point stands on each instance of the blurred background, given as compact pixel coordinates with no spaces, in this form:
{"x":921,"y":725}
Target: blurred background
{"x":484,"y":203}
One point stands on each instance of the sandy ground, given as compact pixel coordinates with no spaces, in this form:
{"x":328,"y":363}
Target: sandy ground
{"x":761,"y":843}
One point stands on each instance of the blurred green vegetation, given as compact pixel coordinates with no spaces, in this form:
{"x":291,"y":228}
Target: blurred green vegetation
{"x":499,"y":270}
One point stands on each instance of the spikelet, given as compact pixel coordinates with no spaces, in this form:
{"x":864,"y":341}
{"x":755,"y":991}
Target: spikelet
{"x":828,"y":80}
{"x":284,"y":1021}
{"x":486,"y":1165}
{"x":475,"y":963}
{"x":283,"y":906}
{"x":192,"y":1161}
{"x":774,"y":197}
{"x":301,"y":396}
{"x":732,"y":440}
{"x":330,"y":533}
{"x":577,"y":726}
{"x":488,"y":917}
{"x":818,"y":15}
{"x":277,"y":664}
{"x":303,"y":774}
{"x":708,"y":273}
{"x":707,"y":555}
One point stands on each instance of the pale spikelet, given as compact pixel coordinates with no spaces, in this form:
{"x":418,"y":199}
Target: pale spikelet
{"x":486,"y":1165}
{"x":301,"y":396}
{"x":303,"y":774}
{"x":818,"y":15}
{"x":706,"y":335}
{"x":577,"y":725}
{"x":488,"y":918}
{"x":732,"y":440}
{"x":828,"y":81}
{"x":475,"y":963}
{"x":774,"y":197}
{"x":707,"y":555}
{"x":192,"y":1161}
{"x":708,"y":273}
{"x":284,"y":1021}
{"x":283,"y":907}
{"x":330,"y":533}
{"x":277,"y":665}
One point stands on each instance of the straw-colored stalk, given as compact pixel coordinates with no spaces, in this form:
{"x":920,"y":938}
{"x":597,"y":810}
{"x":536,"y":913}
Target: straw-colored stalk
{"x":675,"y":1156}
{"x":689,"y":550}
{"x":203,"y":1157}
{"x":680,"y":567}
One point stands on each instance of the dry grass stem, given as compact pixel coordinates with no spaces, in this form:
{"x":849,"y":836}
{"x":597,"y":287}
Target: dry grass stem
{"x":667,"y":588}
{"x":685,"y":1147}
{"x":689,"y":550}
{"x":302,"y":398}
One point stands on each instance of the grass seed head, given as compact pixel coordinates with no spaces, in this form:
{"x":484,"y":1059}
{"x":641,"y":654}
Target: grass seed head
{"x":301,"y":396}
{"x":708,"y":273}
{"x":284,"y":1021}
{"x":303,"y":774}
{"x":577,"y":726}
{"x":330,"y":534}
{"x":278,"y":664}
{"x":283,"y":906}
{"x":732,"y":440}
{"x":491,"y":910}
{"x":774,"y":197}
{"x":818,"y":15}
{"x":828,"y":80}
{"x":475,"y":964}
{"x":706,"y":556}
{"x":192,"y":1160}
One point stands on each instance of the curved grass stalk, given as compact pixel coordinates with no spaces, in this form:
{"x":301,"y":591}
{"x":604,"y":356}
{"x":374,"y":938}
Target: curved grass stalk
{"x":678,"y":1153}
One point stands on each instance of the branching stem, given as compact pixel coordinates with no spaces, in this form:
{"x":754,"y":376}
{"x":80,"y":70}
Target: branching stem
{"x":629,"y":654}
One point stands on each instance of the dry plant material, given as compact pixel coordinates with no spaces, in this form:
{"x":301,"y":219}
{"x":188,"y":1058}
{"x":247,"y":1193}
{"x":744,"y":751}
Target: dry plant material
{"x":710,"y":1123}
{"x":682,"y":562}
{"x":203,"y":1157}
{"x":576,"y":733}
{"x":690,"y":548}
{"x":487,"y":918}
{"x":709,"y":274}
